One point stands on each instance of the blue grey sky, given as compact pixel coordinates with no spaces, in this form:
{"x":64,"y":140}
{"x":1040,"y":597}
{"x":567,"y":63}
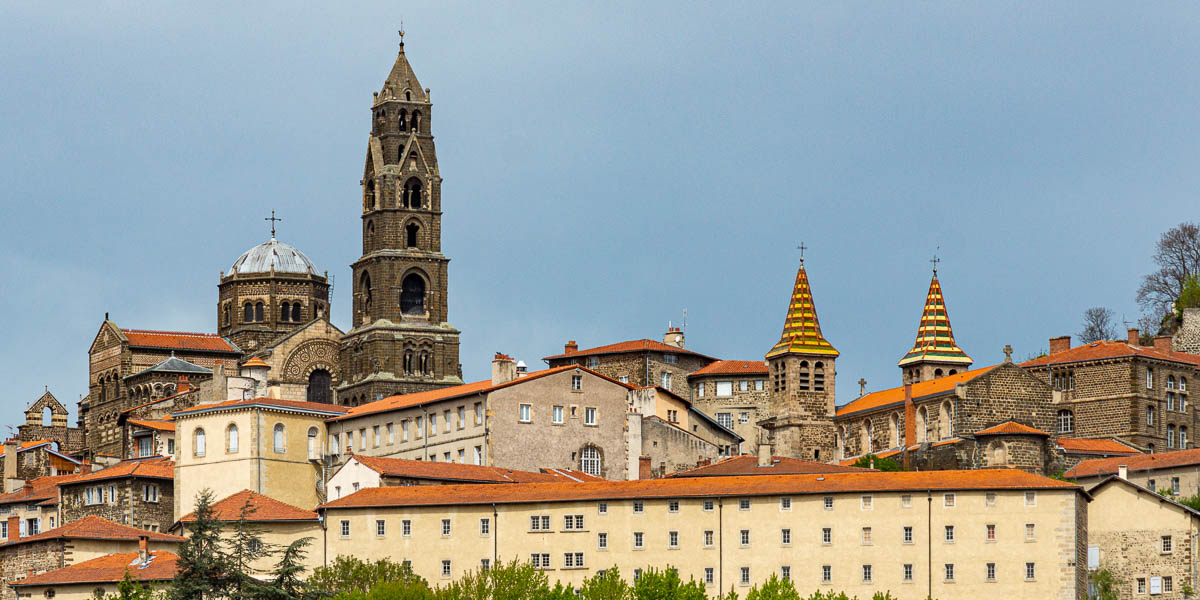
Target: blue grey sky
{"x":605,"y":165}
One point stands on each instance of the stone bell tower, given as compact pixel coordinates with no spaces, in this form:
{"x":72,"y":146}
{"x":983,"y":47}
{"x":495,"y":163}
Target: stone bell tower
{"x":802,"y":373}
{"x":401,"y":341}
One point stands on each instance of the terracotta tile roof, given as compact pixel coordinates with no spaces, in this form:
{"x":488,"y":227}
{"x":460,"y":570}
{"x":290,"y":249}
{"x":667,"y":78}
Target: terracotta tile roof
{"x":1082,"y":446}
{"x":920,"y":390}
{"x":801,"y":328}
{"x":179,"y":340}
{"x":149,"y":468}
{"x":733,"y":367}
{"x":703,"y":487}
{"x":935,"y":339}
{"x":446,"y":471}
{"x":95,"y":528}
{"x":747,"y":464}
{"x":1137,"y":462}
{"x":467,"y":389}
{"x":1106,"y":349}
{"x":641,"y":345}
{"x":1011,"y":428}
{"x":155,"y":424}
{"x":38,"y":490}
{"x":264,"y":508}
{"x":326,"y":409}
{"x":111,"y":568}
{"x":23,"y":446}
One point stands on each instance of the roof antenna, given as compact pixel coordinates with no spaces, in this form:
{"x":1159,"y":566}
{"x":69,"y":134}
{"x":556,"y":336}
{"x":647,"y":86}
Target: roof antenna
{"x":272,"y":219}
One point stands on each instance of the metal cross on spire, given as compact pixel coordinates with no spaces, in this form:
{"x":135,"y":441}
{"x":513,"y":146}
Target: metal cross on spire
{"x":802,"y":248}
{"x":401,"y":32}
{"x":935,"y":260}
{"x":272,"y":219}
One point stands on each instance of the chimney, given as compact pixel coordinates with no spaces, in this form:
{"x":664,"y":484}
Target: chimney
{"x":522,"y":369}
{"x":14,"y":527}
{"x":1123,"y":472}
{"x":571,"y":347}
{"x":644,"y":468}
{"x":1162,"y":344}
{"x":183,"y":386}
{"x":1060,"y":344}
{"x":504,"y":369}
{"x":1134,"y":336}
{"x":673,"y":337}
{"x":143,"y":548}
{"x":764,"y":455}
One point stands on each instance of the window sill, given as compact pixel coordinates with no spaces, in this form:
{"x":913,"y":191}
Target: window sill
{"x":672,"y":548}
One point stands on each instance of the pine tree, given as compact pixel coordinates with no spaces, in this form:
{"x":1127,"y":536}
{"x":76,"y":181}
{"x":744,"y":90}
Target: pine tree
{"x":203,"y":569}
{"x":287,"y":583}
{"x":244,"y":548}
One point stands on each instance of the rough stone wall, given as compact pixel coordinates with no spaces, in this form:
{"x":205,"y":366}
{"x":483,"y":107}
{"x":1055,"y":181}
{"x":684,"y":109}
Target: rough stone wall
{"x":1187,"y":339}
{"x":1136,"y":553}
{"x":272,"y":289}
{"x":1079,"y":541}
{"x":70,"y":439}
{"x":755,"y":404}
{"x":372,"y":361}
{"x":1006,"y":393}
{"x":877,"y":427}
{"x":131,"y":507}
{"x":642,"y":368}
{"x":672,"y":449}
{"x":17,"y":561}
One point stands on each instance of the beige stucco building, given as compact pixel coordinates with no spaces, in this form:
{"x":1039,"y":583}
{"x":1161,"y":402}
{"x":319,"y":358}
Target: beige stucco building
{"x":949,"y":534}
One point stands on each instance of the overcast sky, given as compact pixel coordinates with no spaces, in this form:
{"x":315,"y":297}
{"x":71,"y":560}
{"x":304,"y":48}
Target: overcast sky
{"x":606,"y":165}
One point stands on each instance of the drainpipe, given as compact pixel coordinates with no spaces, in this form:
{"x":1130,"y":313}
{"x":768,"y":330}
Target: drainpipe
{"x":495,"y":535}
{"x":929,"y":542}
{"x":646,"y":376}
{"x":486,"y":459}
{"x":258,"y":447}
{"x":323,"y":518}
{"x":720,"y":545}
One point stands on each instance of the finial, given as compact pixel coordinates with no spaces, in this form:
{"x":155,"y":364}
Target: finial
{"x":862,"y":387}
{"x":1008,"y":353}
{"x":802,"y":248}
{"x":272,"y":219}
{"x":935,"y":260}
{"x":401,"y":32}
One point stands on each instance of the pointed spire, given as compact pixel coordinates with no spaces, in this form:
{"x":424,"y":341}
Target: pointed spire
{"x":935,"y":339}
{"x":402,"y":80}
{"x":801,"y":329}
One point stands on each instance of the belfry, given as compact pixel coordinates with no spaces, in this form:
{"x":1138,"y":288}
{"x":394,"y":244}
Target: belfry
{"x":935,"y":353}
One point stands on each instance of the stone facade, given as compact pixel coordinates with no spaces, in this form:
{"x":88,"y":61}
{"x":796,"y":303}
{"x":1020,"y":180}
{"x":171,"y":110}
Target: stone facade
{"x":1187,"y":339}
{"x":143,"y":502}
{"x":304,"y":365}
{"x":306,"y":296}
{"x":671,"y":448}
{"x":401,"y":341}
{"x":640,"y":363}
{"x":736,"y":401}
{"x":57,"y":428}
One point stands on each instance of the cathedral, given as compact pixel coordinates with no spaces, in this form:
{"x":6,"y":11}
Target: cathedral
{"x":273,"y":307}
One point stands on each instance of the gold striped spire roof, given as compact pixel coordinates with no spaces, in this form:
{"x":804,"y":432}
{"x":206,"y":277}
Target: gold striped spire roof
{"x":801,"y":329}
{"x":935,"y":339}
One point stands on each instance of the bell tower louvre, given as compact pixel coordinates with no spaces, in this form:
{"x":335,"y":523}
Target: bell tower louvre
{"x":401,"y":341}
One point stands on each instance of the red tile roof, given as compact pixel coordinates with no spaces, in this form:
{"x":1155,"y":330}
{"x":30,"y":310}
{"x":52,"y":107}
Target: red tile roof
{"x":1106,"y":349}
{"x":111,"y":568}
{"x":747,"y":464}
{"x":261,"y":508}
{"x":155,"y":424}
{"x":38,"y":490}
{"x":733,"y":367}
{"x":26,"y":446}
{"x":149,"y":468}
{"x":641,"y":345}
{"x":179,"y":340}
{"x":1011,"y":428}
{"x":420,"y":469}
{"x":327,"y":409}
{"x":467,"y":389}
{"x":920,"y":390}
{"x":701,"y":487}
{"x":95,"y":528}
{"x":1082,"y":446}
{"x":1137,"y":462}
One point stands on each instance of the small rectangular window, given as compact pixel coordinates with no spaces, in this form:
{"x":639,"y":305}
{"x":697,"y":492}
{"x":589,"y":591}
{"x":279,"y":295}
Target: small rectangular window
{"x":462,"y":417}
{"x":391,"y":434}
{"x":485,"y":526}
{"x":827,"y":535}
{"x":745,"y":579}
{"x":1166,"y":544}
{"x":744,"y":504}
{"x":602,"y":540}
{"x":949,"y":571}
{"x":589,"y":416}
{"x":445,"y":568}
{"x":866,"y":573}
{"x":785,"y":503}
{"x":785,"y":537}
{"x":949,"y":533}
{"x":1030,"y":571}
{"x":906,"y":501}
{"x":708,"y":506}
{"x":406,"y":528}
{"x":826,"y":573}
{"x":990,"y":573}
{"x":345,"y":528}
{"x":724,"y":388}
{"x":1030,"y":531}
{"x":445,"y":527}
{"x":672,"y":539}
{"x":673,"y":506}
{"x":576,"y":382}
{"x":1141,"y":585}
{"x":708,"y":538}
{"x":637,"y":540}
{"x":602,"y":508}
{"x":948,"y":500}
{"x":526,"y":415}
{"x":908,"y":535}
{"x":867,"y":502}
{"x":866,"y":536}
{"x":380,"y":527}
{"x":639,"y":507}
{"x":557,"y":415}
{"x":989,"y":498}
{"x":744,"y":537}
{"x":1030,"y":498}
{"x":828,"y":502}
{"x":991,"y":532}
{"x":708,"y":575}
{"x":378,"y":438}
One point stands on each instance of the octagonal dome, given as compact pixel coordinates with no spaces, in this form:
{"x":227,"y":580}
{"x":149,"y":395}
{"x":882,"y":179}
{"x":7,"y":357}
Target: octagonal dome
{"x":273,"y":253}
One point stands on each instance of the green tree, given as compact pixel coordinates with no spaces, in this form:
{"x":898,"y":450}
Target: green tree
{"x":286,"y":582}
{"x":128,"y":589}
{"x":606,"y":586}
{"x":244,"y":548}
{"x":1107,"y":585}
{"x":1192,"y":502}
{"x":202,"y":566}
{"x":1189,"y":297}
{"x":504,"y":581}
{"x":666,"y":585}
{"x":883,"y":464}
{"x":349,"y":574}
{"x":774,"y":589}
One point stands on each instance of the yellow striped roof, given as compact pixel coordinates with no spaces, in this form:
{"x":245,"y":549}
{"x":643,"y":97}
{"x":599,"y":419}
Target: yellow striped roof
{"x":935,"y":339}
{"x":801,"y":329}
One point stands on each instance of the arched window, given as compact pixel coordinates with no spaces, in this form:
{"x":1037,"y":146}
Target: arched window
{"x":369,"y":195}
{"x":945,"y":430}
{"x":412,"y":193}
{"x":589,"y":460}
{"x":258,"y":312}
{"x":954,"y":371}
{"x":803,"y":376}
{"x":819,"y":377}
{"x":1183,"y":437}
{"x":280,"y":447}
{"x":1183,"y":384}
{"x":1170,"y":382}
{"x":999,"y":454}
{"x":249,"y":316}
{"x":408,"y":363}
{"x":424,"y":363}
{"x":1150,"y":448}
{"x":894,"y":431}
{"x":319,"y":386}
{"x":297,"y":312}
{"x":407,"y":95}
{"x":412,"y":295}
{"x":411,"y":231}
{"x":416,"y":121}
{"x":1170,"y":436}
{"x":937,"y":373}
{"x":231,"y":439}
{"x":403,"y":117}
{"x":198,"y":440}
{"x":365,"y":289}
{"x":1066,"y":421}
{"x":922,"y":425}
{"x":865,"y":441}
{"x":840,"y":441}
{"x":370,"y":227}
{"x":285,"y":311}
{"x":314,"y":449}
{"x":226,"y":316}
